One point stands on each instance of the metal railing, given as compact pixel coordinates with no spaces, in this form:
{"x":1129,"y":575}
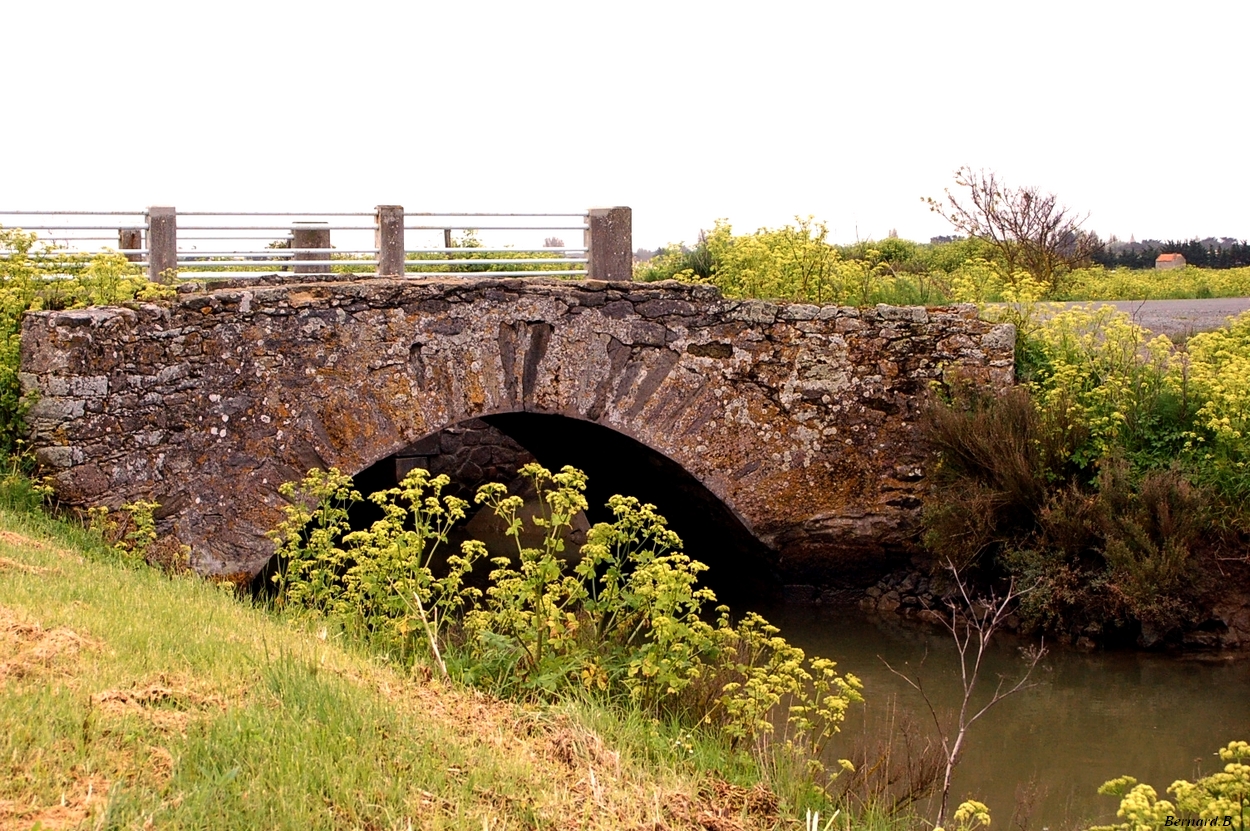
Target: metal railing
{"x":385,"y":242}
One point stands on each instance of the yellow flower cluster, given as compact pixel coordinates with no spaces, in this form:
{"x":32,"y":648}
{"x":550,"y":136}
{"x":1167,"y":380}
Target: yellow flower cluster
{"x":1217,"y":371}
{"x":1098,"y":368}
{"x":1219,"y":800}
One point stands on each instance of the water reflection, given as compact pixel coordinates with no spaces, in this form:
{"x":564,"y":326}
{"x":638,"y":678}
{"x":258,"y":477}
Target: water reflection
{"x":1090,"y":717}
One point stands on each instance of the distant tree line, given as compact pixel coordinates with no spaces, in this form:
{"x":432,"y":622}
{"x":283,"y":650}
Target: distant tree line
{"x":1211,"y":252}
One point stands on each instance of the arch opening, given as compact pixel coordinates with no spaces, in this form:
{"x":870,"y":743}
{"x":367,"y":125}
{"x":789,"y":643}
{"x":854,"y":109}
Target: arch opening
{"x":494,"y":448}
{"x":741,"y":568}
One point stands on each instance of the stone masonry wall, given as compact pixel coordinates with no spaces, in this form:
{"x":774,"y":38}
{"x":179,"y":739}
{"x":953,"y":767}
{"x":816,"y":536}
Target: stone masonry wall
{"x":469,"y":453}
{"x":801,"y":419}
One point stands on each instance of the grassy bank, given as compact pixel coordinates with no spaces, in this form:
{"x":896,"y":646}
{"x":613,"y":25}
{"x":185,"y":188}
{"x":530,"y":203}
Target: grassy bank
{"x":132,"y":699}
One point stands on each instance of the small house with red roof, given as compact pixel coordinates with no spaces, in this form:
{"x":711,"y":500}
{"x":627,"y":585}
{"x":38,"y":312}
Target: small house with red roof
{"x":1163,"y":262}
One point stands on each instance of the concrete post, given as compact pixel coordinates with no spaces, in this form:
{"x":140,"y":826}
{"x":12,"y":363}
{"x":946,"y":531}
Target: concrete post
{"x":130,"y":240}
{"x":610,"y":244}
{"x":388,"y":238}
{"x":162,"y":244}
{"x":310,"y":235}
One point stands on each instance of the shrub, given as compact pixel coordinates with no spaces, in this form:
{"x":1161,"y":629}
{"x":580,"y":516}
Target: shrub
{"x":1153,"y":533}
{"x":1003,"y":457}
{"x":1099,"y":480}
{"x":377,"y":583}
{"x":796,"y":263}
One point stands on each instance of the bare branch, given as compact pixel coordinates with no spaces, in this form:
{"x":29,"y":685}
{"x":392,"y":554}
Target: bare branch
{"x":963,"y":628}
{"x":1029,"y":229}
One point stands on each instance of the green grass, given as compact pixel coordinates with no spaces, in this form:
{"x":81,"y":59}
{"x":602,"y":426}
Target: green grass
{"x":129,"y":698}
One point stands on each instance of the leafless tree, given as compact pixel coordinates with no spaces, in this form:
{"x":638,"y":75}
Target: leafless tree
{"x":972,"y":624}
{"x":1030,"y":229}
{"x":553,"y":242}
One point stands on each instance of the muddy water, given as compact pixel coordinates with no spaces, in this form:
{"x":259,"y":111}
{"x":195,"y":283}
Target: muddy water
{"x":1038,"y":758}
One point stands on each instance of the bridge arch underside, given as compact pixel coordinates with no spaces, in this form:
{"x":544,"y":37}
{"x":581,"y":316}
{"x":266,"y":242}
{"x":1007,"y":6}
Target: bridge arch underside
{"x":493,"y":449}
{"x":797,"y":421}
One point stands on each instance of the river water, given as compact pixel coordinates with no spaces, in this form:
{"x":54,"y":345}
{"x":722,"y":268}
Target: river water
{"x":1037,"y":758}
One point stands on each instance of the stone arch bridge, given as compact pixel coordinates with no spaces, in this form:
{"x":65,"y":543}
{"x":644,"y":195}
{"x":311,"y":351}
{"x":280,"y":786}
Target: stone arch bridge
{"x":799,"y":419}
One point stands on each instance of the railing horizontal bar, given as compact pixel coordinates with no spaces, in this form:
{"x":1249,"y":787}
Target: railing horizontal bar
{"x":182,"y":239}
{"x":454,"y":213}
{"x":295,"y":213}
{"x":275,"y":213}
{"x":516,"y":260}
{"x":230,"y":275}
{"x":53,"y":256}
{"x":112,"y":239}
{"x":273,"y":252}
{"x":291,"y":227}
{"x":286,"y":252}
{"x":495,"y":227}
{"x":494,"y":250}
{"x":372,"y":228}
{"x":297,"y":263}
{"x":571,"y":272}
{"x":73,"y":213}
{"x":230,"y":263}
{"x":113,"y":228}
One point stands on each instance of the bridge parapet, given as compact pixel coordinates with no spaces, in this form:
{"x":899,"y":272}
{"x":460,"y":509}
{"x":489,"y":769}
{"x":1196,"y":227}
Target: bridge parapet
{"x":801,"y":419}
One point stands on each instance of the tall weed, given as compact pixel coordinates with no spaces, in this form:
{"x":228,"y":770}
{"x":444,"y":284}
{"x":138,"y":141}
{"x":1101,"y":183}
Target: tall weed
{"x":627,"y":622}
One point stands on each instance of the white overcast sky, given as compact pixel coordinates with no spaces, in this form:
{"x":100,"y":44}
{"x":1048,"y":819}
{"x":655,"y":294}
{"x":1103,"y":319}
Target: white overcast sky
{"x":686,"y":111}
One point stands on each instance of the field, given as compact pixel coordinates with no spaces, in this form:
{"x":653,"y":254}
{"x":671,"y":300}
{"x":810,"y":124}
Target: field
{"x":797,"y":263}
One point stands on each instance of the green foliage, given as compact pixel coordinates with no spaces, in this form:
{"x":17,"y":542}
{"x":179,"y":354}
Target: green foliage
{"x":1143,"y":398}
{"x":1111,"y":479}
{"x":309,"y":539}
{"x":468,"y":250}
{"x":948,"y":256}
{"x":1218,"y":800}
{"x":796,"y":263}
{"x":377,"y":583}
{"x":626,"y":621}
{"x":131,"y":537}
{"x":131,"y":699}
{"x":1102,"y":370}
{"x":1214,"y":374}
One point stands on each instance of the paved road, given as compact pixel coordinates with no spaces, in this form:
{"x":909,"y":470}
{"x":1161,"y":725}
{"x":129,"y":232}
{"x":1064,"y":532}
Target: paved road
{"x":1178,"y":318}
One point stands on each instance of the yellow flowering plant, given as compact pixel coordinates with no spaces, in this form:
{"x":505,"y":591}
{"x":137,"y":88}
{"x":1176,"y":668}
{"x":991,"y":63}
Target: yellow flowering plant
{"x":629,"y":619}
{"x":1220,"y":800}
